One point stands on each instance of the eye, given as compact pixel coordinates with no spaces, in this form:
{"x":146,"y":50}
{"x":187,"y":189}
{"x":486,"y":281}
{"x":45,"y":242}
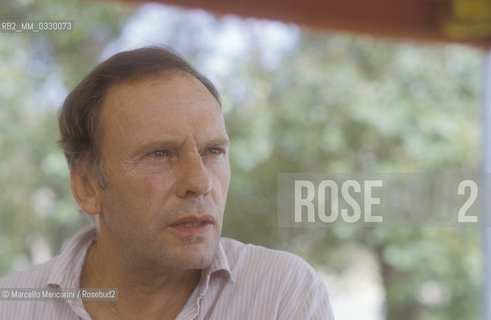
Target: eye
{"x":216,"y":150}
{"x":159,"y":154}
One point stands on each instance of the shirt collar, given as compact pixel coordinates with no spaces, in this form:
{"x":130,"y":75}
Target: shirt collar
{"x":220,"y":263}
{"x":72,"y":259}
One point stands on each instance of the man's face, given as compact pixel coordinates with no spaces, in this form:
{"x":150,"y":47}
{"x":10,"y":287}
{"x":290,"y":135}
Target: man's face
{"x":165,"y":154}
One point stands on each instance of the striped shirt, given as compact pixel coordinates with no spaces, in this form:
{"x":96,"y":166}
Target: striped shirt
{"x":243,"y":282}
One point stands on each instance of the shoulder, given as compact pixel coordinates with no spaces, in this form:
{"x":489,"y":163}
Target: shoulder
{"x":255,"y":260}
{"x":34,"y":277}
{"x":240,"y":253}
{"x":288,"y":285}
{"x":63,"y":270}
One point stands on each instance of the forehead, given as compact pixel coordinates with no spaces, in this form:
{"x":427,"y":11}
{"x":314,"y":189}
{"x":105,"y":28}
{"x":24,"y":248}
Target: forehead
{"x":163,"y":104}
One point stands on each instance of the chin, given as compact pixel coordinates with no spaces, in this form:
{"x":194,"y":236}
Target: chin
{"x":198,"y":255}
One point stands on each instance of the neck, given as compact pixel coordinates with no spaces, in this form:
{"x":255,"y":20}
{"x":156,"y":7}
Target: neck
{"x":130,"y":275}
{"x":160,"y":292}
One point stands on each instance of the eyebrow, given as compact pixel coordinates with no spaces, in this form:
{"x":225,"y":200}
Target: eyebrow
{"x":223,"y":142}
{"x":170,"y":144}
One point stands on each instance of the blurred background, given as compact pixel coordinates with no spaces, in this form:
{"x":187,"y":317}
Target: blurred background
{"x":295,"y":100}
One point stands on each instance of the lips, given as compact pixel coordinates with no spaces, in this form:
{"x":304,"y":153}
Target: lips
{"x":193,"y":221}
{"x":192,"y":227}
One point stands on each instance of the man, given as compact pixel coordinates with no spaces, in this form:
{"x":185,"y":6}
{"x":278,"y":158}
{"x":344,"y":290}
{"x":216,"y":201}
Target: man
{"x":146,"y":143}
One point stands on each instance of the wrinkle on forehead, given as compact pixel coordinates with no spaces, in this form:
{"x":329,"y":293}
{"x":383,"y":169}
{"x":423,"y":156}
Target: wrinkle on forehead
{"x":159,"y":108}
{"x":175,"y":90}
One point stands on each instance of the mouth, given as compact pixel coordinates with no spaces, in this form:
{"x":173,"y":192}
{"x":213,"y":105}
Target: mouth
{"x":190,"y":224}
{"x":193,"y":221}
{"x":192,"y":227}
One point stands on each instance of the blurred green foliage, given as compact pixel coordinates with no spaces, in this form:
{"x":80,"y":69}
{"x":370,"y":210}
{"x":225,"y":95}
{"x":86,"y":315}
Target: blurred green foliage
{"x":352,"y":104}
{"x":332,"y":103}
{"x":37,"y":212}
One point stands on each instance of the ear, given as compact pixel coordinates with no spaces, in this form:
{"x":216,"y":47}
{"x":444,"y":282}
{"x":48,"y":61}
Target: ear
{"x":85,"y":190}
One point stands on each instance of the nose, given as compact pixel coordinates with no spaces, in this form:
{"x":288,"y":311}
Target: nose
{"x":194,"y":179}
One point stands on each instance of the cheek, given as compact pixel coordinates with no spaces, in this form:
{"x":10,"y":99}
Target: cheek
{"x":150,"y":179}
{"x":223,"y":180}
{"x":138,"y":192}
{"x":226,"y":174}
{"x":154,"y":185}
{"x":134,"y":207}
